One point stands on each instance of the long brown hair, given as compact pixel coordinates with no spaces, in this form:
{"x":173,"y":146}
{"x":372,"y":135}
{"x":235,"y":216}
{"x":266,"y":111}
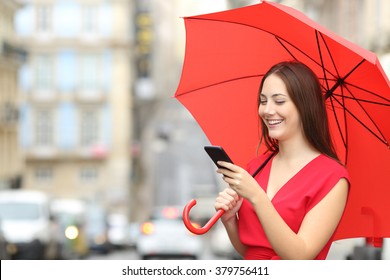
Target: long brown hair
{"x":305,"y":92}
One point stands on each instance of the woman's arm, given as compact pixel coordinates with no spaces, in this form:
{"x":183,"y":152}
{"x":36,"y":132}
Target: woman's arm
{"x":229,"y":201}
{"x":232,"y":231}
{"x":317,"y":227}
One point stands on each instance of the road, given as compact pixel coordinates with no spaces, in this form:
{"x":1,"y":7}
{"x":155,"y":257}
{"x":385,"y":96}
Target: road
{"x":339,"y":251}
{"x":131,"y":254}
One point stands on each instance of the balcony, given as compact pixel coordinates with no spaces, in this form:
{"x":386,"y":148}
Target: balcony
{"x":94,"y":152}
{"x":90,"y":96}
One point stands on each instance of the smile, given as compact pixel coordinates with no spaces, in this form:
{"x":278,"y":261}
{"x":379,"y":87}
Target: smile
{"x":274,"y":122}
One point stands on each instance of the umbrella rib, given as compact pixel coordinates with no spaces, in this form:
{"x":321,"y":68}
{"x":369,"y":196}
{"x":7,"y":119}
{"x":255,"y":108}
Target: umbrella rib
{"x":322,"y":61}
{"x":283,"y":45}
{"x":383,"y":140}
{"x":345,"y":126}
{"x":283,"y":41}
{"x":365,"y":111}
{"x":362,"y":100}
{"x":221,"y":82}
{"x":338,"y":123}
{"x":328,"y":50}
{"x":370,"y":92}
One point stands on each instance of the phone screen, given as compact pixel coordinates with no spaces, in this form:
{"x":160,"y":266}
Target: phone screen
{"x":217,"y":153}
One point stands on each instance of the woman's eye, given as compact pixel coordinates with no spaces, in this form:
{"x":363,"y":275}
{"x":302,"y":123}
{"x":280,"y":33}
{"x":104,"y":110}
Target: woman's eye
{"x":280,"y":102}
{"x":263,"y":102}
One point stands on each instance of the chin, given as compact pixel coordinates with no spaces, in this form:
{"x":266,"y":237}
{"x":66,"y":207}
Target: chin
{"x":275,"y":136}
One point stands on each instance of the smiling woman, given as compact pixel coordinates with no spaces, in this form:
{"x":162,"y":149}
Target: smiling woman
{"x":276,"y":214}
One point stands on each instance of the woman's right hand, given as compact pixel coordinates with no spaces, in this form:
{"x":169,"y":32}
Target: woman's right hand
{"x":229,"y":201}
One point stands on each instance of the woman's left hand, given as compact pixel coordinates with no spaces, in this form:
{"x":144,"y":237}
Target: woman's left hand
{"x":239,"y":180}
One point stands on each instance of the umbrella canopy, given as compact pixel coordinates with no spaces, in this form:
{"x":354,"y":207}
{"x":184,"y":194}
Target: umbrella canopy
{"x":227,"y":53}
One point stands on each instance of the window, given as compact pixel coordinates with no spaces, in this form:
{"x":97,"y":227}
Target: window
{"x":43,"y":174}
{"x":44,"y":128}
{"x":89,"y":174}
{"x":89,"y":74}
{"x":89,"y":127}
{"x":43,"y":72}
{"x":44,"y":18}
{"x":90,"y":19}
{"x":20,"y":211}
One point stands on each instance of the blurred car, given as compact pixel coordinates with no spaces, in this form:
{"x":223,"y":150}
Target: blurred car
{"x":70,"y":215}
{"x":165,"y":236}
{"x":118,"y":230}
{"x":220,"y":244}
{"x":27,"y":225}
{"x":96,"y":229}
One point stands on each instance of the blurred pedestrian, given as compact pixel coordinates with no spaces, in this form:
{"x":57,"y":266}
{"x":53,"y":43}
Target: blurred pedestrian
{"x":291,"y":208}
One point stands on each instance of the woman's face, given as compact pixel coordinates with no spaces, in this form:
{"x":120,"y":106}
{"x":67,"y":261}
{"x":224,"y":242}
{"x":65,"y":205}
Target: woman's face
{"x":278,"y":111}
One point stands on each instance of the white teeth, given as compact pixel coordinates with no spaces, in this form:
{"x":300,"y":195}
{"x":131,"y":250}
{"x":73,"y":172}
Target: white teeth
{"x":274,"y":122}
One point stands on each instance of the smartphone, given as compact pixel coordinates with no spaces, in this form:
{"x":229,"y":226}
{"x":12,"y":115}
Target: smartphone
{"x":217,"y":153}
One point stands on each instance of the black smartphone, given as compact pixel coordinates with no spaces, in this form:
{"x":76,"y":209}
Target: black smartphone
{"x":217,"y":153}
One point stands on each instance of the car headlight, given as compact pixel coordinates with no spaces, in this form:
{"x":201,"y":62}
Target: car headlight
{"x":71,"y":232}
{"x":147,"y":228}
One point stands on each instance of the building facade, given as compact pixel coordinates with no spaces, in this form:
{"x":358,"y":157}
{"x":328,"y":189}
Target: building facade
{"x":11,"y":58}
{"x":364,"y":22}
{"x":76,"y":98}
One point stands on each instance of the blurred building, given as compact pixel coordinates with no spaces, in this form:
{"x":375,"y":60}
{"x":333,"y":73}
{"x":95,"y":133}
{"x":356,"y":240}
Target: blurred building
{"x":11,"y":58}
{"x":364,"y":22}
{"x":76,"y":123}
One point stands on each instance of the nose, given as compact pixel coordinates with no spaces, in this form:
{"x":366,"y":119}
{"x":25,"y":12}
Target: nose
{"x":266,"y":109}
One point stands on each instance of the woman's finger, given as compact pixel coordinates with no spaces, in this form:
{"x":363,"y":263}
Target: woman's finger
{"x":232,"y":193}
{"x":228,"y":165}
{"x":225,"y":204}
{"x":226,"y":172}
{"x":227,"y":197}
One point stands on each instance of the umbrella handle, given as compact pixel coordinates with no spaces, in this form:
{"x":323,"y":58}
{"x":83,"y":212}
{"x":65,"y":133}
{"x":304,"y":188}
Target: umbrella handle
{"x":207,"y":226}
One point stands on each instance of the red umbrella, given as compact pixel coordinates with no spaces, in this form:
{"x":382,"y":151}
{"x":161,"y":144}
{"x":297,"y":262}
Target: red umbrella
{"x":228,"y":52}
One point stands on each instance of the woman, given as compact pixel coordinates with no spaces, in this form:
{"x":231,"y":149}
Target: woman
{"x":291,"y":208}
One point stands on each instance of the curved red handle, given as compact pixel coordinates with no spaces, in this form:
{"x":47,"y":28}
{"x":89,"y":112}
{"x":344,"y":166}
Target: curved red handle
{"x":206,"y":227}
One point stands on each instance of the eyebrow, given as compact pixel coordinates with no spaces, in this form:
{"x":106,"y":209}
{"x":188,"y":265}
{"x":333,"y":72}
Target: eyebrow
{"x":273,"y":95}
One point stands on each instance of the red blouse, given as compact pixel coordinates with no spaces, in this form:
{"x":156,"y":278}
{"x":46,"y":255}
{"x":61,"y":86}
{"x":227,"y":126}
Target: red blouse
{"x":300,"y":194}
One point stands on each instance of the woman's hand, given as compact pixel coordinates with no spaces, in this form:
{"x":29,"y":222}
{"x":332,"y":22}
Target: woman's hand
{"x":229,"y":201}
{"x":239,"y":180}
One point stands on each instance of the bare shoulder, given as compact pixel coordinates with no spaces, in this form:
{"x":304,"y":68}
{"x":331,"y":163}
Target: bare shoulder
{"x":326,"y":215}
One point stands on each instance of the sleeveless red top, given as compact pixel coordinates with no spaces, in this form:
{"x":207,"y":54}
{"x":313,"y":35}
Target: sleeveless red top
{"x":300,"y":194}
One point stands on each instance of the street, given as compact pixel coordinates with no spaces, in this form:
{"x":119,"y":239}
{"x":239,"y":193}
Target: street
{"x":131,"y":254}
{"x":339,"y":251}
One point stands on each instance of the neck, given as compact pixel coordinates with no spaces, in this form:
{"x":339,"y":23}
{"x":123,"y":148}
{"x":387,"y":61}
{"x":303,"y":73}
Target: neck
{"x":294,"y":149}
